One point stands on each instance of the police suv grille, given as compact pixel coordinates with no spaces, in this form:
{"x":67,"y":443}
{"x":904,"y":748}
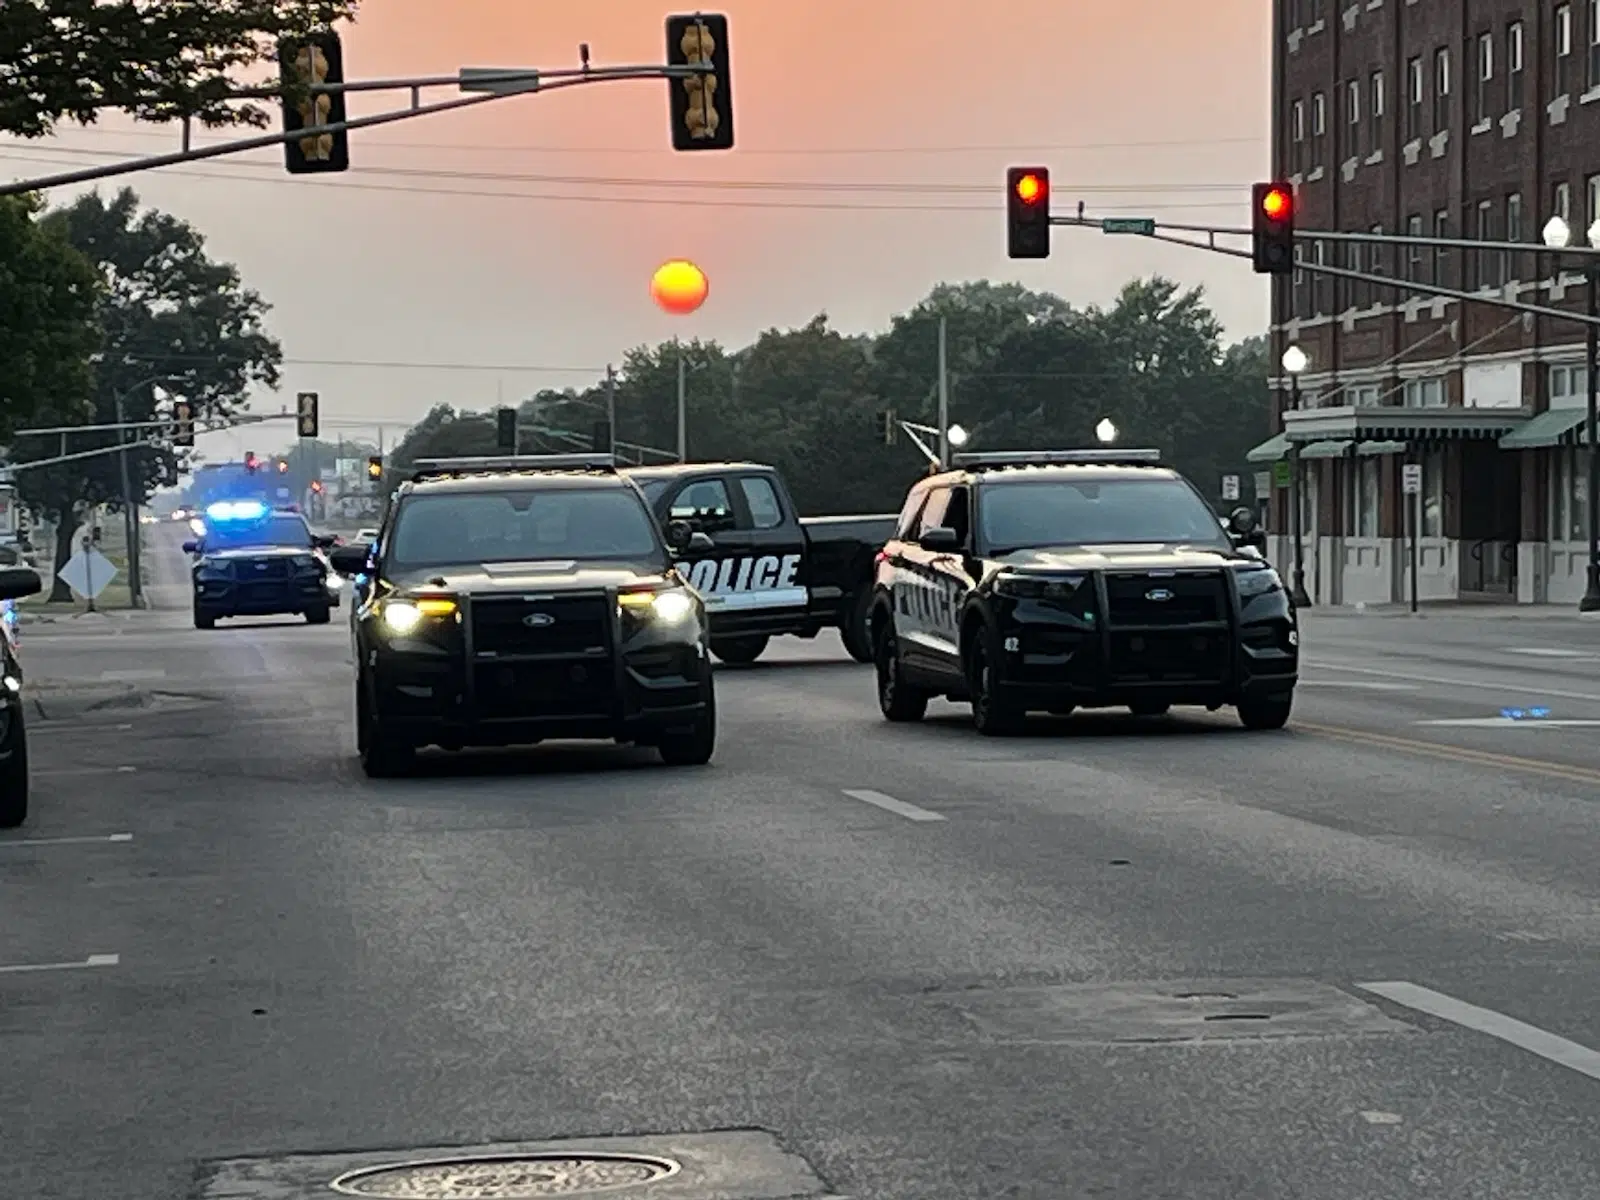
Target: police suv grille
{"x":531,"y":691}
{"x":1143,"y":598}
{"x":572,"y":624}
{"x":253,"y":570}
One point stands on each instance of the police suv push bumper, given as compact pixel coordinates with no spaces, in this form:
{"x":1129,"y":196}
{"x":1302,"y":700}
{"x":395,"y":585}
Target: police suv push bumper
{"x":1104,"y":637}
{"x":520,"y":667}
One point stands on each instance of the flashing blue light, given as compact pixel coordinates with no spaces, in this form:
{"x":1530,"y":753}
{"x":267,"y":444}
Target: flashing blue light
{"x":237,"y":510}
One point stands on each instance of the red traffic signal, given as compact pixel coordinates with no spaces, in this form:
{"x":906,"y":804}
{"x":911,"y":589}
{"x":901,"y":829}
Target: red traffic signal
{"x":1272,"y":229}
{"x":1028,"y":212}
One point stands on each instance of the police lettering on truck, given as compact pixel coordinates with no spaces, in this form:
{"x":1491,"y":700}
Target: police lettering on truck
{"x":751,"y":581}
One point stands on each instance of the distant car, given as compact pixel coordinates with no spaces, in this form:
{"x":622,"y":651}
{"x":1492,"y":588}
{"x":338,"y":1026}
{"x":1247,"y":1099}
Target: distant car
{"x":254,"y":561}
{"x":15,"y":583}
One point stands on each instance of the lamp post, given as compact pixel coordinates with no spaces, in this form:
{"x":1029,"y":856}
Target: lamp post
{"x":1556,"y":234}
{"x":1294,"y":362}
{"x":1106,"y":431}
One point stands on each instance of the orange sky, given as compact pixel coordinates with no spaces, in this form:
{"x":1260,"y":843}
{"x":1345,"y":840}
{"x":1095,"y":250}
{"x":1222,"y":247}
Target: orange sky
{"x":841,"y":106}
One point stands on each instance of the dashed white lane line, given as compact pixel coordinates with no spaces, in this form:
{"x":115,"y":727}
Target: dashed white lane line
{"x":1497,"y":1025}
{"x":1478,"y":685}
{"x":67,"y":772}
{"x":1511,"y":722}
{"x":94,"y":960}
{"x":70,"y":841}
{"x":889,"y":804}
{"x":1362,"y":685}
{"x":138,"y":676}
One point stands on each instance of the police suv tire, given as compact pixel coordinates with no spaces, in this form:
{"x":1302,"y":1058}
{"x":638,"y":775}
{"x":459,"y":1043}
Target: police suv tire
{"x":897,"y":700}
{"x":14,"y":777}
{"x":856,"y":628}
{"x":382,"y":757}
{"x":694,"y":747}
{"x":1266,"y":712}
{"x":203,"y":619}
{"x":318,"y":616}
{"x":739,"y":651}
{"x":991,"y":716}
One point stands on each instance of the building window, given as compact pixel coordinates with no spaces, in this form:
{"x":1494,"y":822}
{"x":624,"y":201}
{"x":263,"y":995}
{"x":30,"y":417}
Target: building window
{"x":1319,"y":281}
{"x":1318,"y":11}
{"x":1302,"y":299}
{"x":1352,"y":118}
{"x":1356,"y":289}
{"x":1563,"y":48}
{"x":1441,"y":254}
{"x":1569,"y":386}
{"x":1369,"y":494}
{"x":1484,"y":262}
{"x":1297,"y":136}
{"x":1592,"y":63}
{"x":1375,"y":108}
{"x":1441,"y":89}
{"x":1513,"y":66}
{"x":1414,"y":251}
{"x":1423,"y":393}
{"x":1432,"y":523}
{"x":1581,"y":238}
{"x":1569,"y":492}
{"x":1482,"y":99}
{"x":1378,"y":259}
{"x":1413,"y":99}
{"x":1561,"y":202}
{"x":1511,"y":265}
{"x":1319,"y":128}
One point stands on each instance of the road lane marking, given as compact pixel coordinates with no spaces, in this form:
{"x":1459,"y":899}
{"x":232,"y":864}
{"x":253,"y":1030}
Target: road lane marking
{"x":1497,"y":1025}
{"x":1456,"y":754}
{"x":94,"y":960}
{"x":1367,"y":685}
{"x":889,"y":804}
{"x":35,"y":730}
{"x":138,"y":676}
{"x":70,"y":841}
{"x":1540,"y":652}
{"x":65,"y":772}
{"x":1509,"y":722}
{"x":1472,"y":684}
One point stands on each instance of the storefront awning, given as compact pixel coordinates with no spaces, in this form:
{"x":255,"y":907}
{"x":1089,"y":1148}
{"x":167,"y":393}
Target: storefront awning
{"x":1325,"y":449}
{"x":1373,"y":449}
{"x":1397,"y":423}
{"x":1547,"y":429}
{"x":1271,"y":450}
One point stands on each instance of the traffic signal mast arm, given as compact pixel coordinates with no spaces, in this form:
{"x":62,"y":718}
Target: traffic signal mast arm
{"x":1390,"y":281}
{"x":530,"y":80}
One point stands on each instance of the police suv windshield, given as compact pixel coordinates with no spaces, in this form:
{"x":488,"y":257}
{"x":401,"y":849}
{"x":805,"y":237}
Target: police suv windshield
{"x":279,"y":529}
{"x":523,"y":526}
{"x":1095,"y":512}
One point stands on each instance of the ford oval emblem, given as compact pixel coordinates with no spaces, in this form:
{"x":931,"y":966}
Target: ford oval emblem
{"x":538,"y":620}
{"x":1159,"y":595}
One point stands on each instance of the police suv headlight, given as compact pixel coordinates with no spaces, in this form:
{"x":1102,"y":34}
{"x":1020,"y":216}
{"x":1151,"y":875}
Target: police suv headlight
{"x":1260,"y":581}
{"x":1019,"y":587}
{"x":404,"y":616}
{"x":671,"y":606}
{"x":333,"y":583}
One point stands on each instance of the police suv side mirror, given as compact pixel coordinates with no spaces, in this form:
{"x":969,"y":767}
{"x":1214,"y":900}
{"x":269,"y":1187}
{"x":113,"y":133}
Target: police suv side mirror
{"x":17,"y":582}
{"x":1242,"y":520}
{"x":350,"y":560}
{"x":699,"y":542}
{"x":678,"y":534}
{"x":940,"y":541}
{"x":191,"y":547}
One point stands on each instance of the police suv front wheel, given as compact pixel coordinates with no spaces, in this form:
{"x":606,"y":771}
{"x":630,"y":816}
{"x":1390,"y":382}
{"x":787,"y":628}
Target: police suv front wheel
{"x":993,"y":715}
{"x":897,"y":699}
{"x":694,"y":746}
{"x":382,"y":755}
{"x":1266,"y":712}
{"x":739,"y":651}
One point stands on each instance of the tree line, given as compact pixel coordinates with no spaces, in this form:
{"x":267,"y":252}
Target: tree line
{"x":1026,"y":371}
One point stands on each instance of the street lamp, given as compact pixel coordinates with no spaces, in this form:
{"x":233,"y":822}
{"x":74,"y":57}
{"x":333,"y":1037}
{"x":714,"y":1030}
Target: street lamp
{"x":1294,"y":362}
{"x":1105,"y":432}
{"x":1557,"y":234}
{"x":957,"y":436}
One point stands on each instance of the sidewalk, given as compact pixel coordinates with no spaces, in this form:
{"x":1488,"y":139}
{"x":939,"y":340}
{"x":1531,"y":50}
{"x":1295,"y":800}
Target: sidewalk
{"x":1455,"y":610}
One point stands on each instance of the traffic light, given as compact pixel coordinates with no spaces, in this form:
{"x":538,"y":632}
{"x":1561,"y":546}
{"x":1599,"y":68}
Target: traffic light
{"x":1272,"y":229}
{"x":306,"y":411}
{"x":884,"y":426}
{"x":375,"y":467}
{"x":601,"y":437}
{"x":1028,"y":212}
{"x":283,"y":466}
{"x":251,"y":462}
{"x":316,"y":59}
{"x":183,"y":423}
{"x":701,"y":104}
{"x":505,"y":430}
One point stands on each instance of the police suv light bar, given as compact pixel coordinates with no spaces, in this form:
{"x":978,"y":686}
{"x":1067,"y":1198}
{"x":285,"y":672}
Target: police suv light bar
{"x":502,"y":463}
{"x":1044,"y":458}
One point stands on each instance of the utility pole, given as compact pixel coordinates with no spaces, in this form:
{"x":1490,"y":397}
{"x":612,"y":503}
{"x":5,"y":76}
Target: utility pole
{"x":944,"y":399}
{"x":611,"y":410}
{"x":130,"y":515}
{"x":683,"y":405}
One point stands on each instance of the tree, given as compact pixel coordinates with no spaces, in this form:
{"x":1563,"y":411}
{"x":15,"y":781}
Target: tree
{"x":71,"y":59}
{"x":48,"y":320}
{"x":171,"y":318}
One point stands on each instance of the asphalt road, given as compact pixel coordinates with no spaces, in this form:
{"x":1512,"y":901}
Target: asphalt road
{"x":927,"y":964}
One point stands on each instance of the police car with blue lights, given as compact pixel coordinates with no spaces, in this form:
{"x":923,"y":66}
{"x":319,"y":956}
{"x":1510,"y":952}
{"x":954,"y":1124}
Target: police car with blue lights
{"x":1049,"y":581}
{"x":251,"y":560}
{"x":515,"y":599}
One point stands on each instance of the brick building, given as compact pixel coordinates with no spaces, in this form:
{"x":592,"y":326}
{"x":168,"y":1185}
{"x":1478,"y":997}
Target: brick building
{"x":1462,"y":118}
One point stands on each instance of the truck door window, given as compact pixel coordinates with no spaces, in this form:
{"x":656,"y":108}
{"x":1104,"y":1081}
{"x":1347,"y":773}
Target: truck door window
{"x":933,"y":514}
{"x":957,"y":515}
{"x":906,"y":531}
{"x":765,"y":510}
{"x":706,"y":505}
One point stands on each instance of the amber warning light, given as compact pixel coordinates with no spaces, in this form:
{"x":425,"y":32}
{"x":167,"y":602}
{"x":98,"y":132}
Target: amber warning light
{"x":1030,"y":189}
{"x":1275,"y":205}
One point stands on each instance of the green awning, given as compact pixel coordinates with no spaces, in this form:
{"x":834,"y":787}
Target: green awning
{"x":1324,"y":449}
{"x":1372,"y":449}
{"x":1547,"y":429}
{"x":1271,"y":450}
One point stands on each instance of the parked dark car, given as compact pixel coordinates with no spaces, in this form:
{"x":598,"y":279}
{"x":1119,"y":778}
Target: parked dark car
{"x":15,"y":583}
{"x":768,"y":571}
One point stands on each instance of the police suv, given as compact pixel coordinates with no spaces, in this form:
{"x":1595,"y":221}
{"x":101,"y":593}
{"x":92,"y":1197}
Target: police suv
{"x":511,"y":600}
{"x":250,"y":560}
{"x":1078,"y":579}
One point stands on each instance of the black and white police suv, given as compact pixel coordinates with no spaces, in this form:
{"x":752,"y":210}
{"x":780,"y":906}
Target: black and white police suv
{"x":256,"y":561}
{"x":515,"y":599}
{"x":16,"y":582}
{"x":1078,"y":579}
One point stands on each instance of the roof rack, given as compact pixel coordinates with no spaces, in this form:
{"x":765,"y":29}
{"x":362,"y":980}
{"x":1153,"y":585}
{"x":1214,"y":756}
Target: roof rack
{"x":1000,"y":459}
{"x":513,"y":464}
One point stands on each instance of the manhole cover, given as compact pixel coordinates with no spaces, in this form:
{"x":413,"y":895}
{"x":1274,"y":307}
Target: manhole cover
{"x":504,"y":1177}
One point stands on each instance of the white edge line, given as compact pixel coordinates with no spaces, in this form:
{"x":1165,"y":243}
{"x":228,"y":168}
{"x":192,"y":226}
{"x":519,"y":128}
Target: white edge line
{"x":1474,"y":685}
{"x":94,"y":960}
{"x":889,"y":804}
{"x":71,"y":841}
{"x":1497,"y":1025}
